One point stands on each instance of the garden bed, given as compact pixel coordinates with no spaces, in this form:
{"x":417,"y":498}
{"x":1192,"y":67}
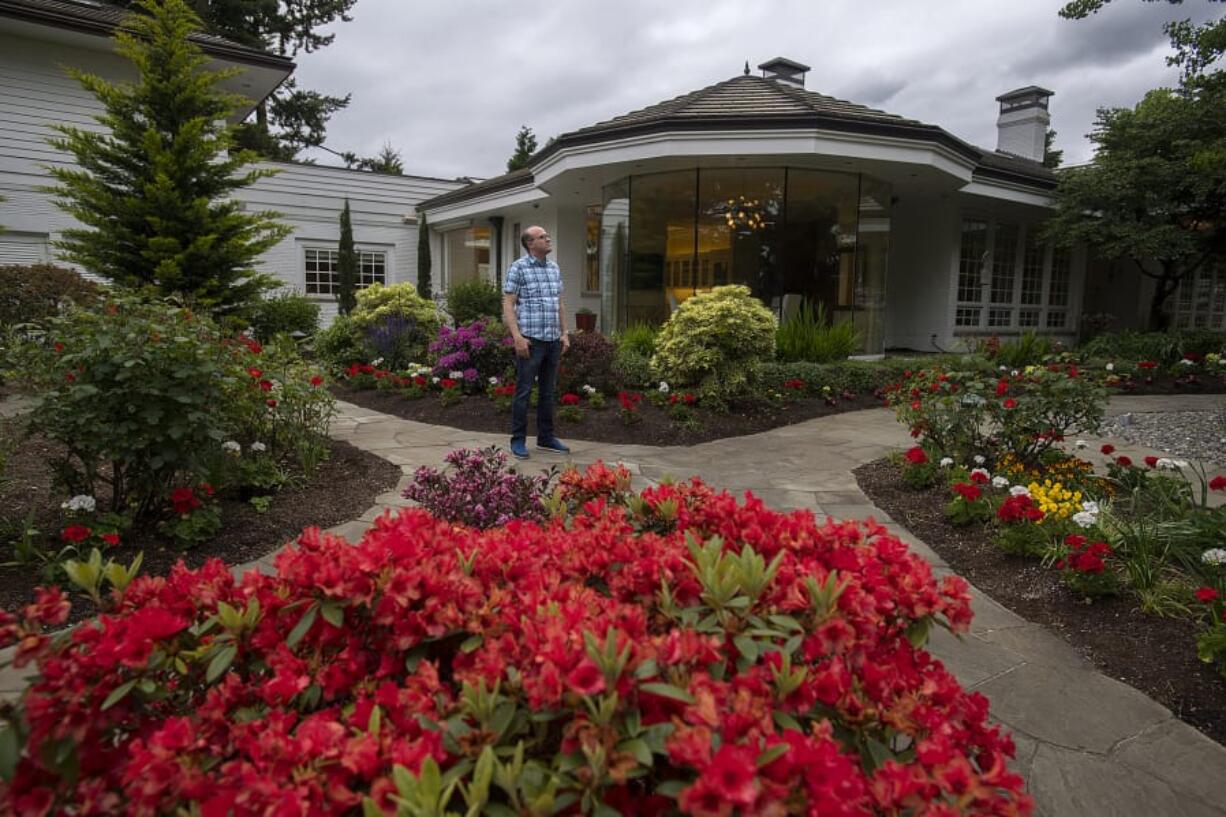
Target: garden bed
{"x":343,"y":487}
{"x":1155,"y":655}
{"x":605,"y":425}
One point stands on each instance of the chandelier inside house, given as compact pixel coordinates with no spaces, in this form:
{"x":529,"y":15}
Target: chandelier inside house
{"x":742,"y":214}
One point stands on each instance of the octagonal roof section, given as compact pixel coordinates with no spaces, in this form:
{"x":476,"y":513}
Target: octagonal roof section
{"x":749,"y":103}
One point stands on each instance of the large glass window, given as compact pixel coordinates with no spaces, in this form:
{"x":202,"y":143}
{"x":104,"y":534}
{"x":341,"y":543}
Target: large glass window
{"x":321,"y":273}
{"x":790,"y":235}
{"x":591,"y":251}
{"x":468,"y":255}
{"x":614,"y":252}
{"x":1201,"y":302}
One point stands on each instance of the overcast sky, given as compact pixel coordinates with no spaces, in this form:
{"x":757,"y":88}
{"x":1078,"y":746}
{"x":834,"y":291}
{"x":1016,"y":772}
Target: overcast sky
{"x":449,"y":83}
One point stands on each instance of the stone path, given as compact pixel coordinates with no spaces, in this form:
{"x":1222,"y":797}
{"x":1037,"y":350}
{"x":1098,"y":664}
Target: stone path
{"x":1088,"y":745}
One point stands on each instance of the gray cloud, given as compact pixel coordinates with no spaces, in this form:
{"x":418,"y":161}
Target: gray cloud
{"x":449,"y":84}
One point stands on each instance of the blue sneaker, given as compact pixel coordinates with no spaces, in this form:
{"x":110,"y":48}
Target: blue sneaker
{"x":552,"y":444}
{"x":519,"y":449}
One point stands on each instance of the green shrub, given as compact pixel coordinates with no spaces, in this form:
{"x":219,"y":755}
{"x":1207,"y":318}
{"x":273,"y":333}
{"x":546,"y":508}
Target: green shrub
{"x":340,"y":343}
{"x":631,"y":370}
{"x":848,"y":375}
{"x":1030,"y":349}
{"x":284,"y":312}
{"x":377,"y":304}
{"x":807,"y":336}
{"x":588,"y":362}
{"x":469,"y":300}
{"x":715,"y":342}
{"x":639,"y":338}
{"x":132,"y":391}
{"x":1160,"y":347}
{"x":30,"y":294}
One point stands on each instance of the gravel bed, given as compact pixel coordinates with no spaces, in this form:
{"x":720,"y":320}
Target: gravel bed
{"x":1193,"y":435}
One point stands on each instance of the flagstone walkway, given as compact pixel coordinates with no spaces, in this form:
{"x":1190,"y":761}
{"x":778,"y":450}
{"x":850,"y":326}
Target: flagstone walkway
{"x":1087,"y":744}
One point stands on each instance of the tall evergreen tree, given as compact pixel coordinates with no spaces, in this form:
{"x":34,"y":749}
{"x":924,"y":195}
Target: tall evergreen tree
{"x":525,"y":146}
{"x":423,"y":257}
{"x":346,"y":265}
{"x":155,"y":190}
{"x":292,"y":118}
{"x":1051,"y":157}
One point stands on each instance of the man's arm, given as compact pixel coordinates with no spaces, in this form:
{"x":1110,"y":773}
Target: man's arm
{"x":562,"y":323}
{"x":509,"y":300}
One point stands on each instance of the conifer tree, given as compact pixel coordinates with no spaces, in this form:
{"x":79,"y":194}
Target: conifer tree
{"x":155,"y":190}
{"x":346,"y":265}
{"x":525,"y":146}
{"x":423,"y":257}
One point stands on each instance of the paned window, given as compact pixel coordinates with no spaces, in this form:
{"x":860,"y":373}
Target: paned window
{"x":1004,"y":264}
{"x":322,"y":275}
{"x":1057,"y":290}
{"x":1201,"y":302}
{"x":1032,"y":270}
{"x":1009,"y":279}
{"x":970,"y":264}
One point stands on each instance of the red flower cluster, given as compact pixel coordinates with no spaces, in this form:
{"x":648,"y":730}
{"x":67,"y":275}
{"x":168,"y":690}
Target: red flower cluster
{"x":1123,"y":461}
{"x":427,"y":643}
{"x":568,"y":399}
{"x":915,"y":455}
{"x":1108,"y":449}
{"x":1020,"y":508}
{"x":1084,"y":556}
{"x":184,"y":500}
{"x":796,"y":384}
{"x":968,"y":491}
{"x":1218,"y":483}
{"x":447,"y":383}
{"x":502,"y":391}
{"x":1207,"y":595}
{"x":629,"y":400}
{"x":76,"y":533}
{"x":686,"y":399}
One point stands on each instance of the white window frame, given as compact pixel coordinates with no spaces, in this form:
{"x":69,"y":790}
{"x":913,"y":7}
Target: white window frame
{"x":1013,"y":317}
{"x":1189,"y":313}
{"x":369,"y":255}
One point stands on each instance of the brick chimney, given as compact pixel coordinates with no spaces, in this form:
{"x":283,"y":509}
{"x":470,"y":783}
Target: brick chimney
{"x":784,"y":70}
{"x":1021,"y":129}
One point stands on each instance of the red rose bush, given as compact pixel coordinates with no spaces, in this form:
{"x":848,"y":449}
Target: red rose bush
{"x":669,"y":652}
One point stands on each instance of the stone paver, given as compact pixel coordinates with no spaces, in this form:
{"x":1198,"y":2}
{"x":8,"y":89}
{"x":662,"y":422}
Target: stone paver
{"x":1088,"y":745}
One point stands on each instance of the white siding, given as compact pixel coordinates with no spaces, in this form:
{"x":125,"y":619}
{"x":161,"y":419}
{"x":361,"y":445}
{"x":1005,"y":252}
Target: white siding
{"x":35,"y":91}
{"x":923,"y":249}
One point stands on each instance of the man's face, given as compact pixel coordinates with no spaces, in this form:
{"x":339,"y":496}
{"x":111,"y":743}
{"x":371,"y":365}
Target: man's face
{"x":539,"y":242}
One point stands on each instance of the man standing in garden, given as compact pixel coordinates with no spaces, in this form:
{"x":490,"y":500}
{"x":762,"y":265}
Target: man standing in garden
{"x":533,"y":311}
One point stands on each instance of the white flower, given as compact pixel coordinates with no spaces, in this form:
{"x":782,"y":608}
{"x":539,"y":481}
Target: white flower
{"x":1019,"y":490}
{"x":946,"y":462}
{"x":1111,"y":367}
{"x":258,"y":447}
{"x":999,"y":482}
{"x":80,"y":502}
{"x":456,"y":374}
{"x":1214,"y":556}
{"x":1085,"y":519}
{"x":1015,"y":372}
{"x":1090,"y":506}
{"x":1186,"y":362}
{"x":1165,"y":464}
{"x":1180,"y":463}
{"x":1221,"y":361}
{"x":231,"y":447}
{"x":1004,"y":368}
{"x":1081,"y":444}
{"x":493,"y":380}
{"x":983,"y":472}
{"x":664,"y":388}
{"x":376,"y":361}
{"x":587,"y":389}
{"x":978,"y":458}
{"x":435,"y":380}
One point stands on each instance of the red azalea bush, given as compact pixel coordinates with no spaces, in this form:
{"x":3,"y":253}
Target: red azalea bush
{"x":678,"y":653}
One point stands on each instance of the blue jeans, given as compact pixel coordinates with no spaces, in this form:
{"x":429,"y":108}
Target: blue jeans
{"x":541,"y":363}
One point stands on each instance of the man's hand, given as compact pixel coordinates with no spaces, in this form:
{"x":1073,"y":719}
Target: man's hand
{"x":521,"y":346}
{"x":565,"y":343}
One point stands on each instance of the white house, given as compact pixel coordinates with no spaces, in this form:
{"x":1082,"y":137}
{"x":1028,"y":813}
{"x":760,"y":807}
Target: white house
{"x":38,"y":38}
{"x":918,"y":238}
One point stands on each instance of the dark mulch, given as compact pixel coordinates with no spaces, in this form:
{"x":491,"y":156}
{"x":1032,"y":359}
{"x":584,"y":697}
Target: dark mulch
{"x":342,"y":489}
{"x":1165,"y":384}
{"x":1155,"y":655}
{"x":656,"y":427}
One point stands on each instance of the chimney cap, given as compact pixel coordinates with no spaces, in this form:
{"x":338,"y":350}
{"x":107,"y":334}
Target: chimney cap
{"x":1029,"y":92}
{"x":782,"y":65}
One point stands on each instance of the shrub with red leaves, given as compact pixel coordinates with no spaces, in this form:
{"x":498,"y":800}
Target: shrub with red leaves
{"x":671,"y":652}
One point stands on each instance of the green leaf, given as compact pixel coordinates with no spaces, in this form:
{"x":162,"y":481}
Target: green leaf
{"x":878,"y":753}
{"x":370,"y":808}
{"x":639,"y":748}
{"x":304,"y":624}
{"x":220,"y":663}
{"x":671,"y":788}
{"x":333,"y":613}
{"x":10,"y":750}
{"x":471,"y":643}
{"x":747,"y":647}
{"x":785,"y":721}
{"x":647,"y":669}
{"x":667,"y":691}
{"x":918,"y":632}
{"x":118,"y":694}
{"x":772,"y":754}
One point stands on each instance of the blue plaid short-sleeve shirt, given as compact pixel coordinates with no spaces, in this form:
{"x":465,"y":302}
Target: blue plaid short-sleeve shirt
{"x":538,"y":285}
